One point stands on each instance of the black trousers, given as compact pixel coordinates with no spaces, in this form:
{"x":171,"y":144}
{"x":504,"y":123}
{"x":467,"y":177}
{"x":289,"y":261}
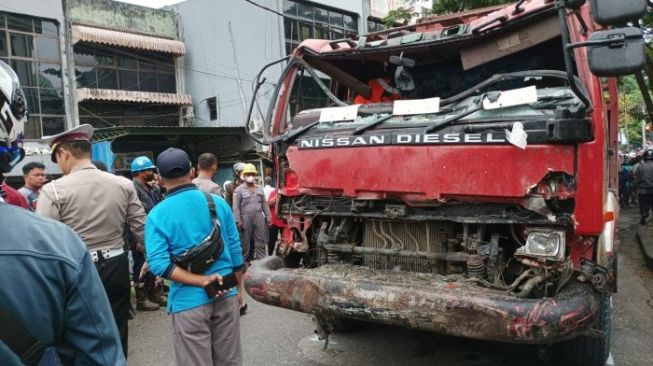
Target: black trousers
{"x":645,"y":204}
{"x":114,"y":273}
{"x":272,"y":240}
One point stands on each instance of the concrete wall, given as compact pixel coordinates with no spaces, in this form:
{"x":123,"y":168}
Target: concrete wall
{"x":210,"y":61}
{"x":122,"y":16}
{"x":258,"y":39}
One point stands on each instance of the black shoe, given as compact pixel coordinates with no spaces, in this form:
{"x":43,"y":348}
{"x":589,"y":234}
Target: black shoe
{"x":243,"y":309}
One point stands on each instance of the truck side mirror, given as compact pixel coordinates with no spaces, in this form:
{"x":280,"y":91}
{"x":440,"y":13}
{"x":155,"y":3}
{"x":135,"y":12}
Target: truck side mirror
{"x":616,"y":52}
{"x":617,"y":12}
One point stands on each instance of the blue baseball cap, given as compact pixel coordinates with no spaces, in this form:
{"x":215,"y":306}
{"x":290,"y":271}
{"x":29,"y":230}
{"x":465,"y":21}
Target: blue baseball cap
{"x":173,"y":163}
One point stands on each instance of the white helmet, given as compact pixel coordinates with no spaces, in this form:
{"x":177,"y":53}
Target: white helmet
{"x":13,"y":113}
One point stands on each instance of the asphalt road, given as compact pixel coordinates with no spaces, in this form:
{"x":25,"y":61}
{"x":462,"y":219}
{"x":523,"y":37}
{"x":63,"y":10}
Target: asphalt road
{"x":274,"y":336}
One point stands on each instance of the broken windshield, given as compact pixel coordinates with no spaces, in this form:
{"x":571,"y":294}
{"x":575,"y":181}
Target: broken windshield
{"x":374,"y":84}
{"x":548,"y":99}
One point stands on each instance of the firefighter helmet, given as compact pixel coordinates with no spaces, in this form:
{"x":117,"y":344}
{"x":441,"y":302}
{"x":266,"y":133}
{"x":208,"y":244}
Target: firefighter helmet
{"x":249,"y":169}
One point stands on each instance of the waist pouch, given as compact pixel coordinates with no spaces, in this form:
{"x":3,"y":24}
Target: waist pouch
{"x":200,"y":257}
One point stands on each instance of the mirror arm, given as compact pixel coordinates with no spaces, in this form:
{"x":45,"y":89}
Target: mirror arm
{"x":639,"y":76}
{"x":257,"y":85}
{"x":610,"y":42}
{"x":562,"y":17}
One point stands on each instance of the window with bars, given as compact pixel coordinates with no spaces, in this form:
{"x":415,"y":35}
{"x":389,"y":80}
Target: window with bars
{"x":305,"y":20}
{"x":375,"y":25}
{"x":31,"y":47}
{"x":100,"y":67}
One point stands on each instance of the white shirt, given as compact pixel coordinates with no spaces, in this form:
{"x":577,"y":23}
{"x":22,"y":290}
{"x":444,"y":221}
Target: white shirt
{"x":267,"y":190}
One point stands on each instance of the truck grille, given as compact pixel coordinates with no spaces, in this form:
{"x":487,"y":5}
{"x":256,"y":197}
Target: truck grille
{"x":427,"y":237}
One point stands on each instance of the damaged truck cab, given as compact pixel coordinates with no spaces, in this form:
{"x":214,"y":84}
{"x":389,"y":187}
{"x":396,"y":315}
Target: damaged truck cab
{"x":456,"y":176}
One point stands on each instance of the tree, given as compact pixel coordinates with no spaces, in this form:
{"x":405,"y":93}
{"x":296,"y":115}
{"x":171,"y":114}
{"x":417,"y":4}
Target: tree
{"x":400,"y":15}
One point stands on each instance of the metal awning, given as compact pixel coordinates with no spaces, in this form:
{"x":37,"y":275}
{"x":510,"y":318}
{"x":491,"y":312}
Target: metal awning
{"x":113,"y":133}
{"x":131,"y":96}
{"x":124,"y":39}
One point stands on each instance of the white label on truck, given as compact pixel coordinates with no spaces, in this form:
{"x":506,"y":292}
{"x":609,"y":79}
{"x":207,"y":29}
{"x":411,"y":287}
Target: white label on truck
{"x":512,"y":98}
{"x":416,"y":106}
{"x":339,"y":114}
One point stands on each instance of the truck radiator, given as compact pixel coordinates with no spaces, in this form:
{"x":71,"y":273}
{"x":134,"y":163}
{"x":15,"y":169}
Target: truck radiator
{"x":429,"y":237}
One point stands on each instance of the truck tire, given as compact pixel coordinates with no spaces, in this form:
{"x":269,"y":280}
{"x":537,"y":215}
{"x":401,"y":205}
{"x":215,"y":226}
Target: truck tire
{"x":592,"y":351}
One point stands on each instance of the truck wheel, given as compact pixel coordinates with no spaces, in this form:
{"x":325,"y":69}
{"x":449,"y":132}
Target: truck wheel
{"x":592,"y":351}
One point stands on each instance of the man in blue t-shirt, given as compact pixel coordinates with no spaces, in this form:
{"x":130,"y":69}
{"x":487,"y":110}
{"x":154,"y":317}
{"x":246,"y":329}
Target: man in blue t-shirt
{"x":206,"y":331}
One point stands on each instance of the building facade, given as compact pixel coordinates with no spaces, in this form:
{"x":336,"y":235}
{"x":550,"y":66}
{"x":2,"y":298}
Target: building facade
{"x":113,"y":65}
{"x":228,"y":42}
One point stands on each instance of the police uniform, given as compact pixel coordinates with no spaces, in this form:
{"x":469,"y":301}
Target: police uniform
{"x":252,"y":211}
{"x":97,"y":205}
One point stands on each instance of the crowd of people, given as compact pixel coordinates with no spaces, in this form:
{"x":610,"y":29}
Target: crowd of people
{"x":636,"y":182}
{"x":67,"y":291}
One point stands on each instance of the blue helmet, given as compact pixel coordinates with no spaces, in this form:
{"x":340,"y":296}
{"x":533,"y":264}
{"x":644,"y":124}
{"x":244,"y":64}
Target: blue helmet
{"x":142,"y":163}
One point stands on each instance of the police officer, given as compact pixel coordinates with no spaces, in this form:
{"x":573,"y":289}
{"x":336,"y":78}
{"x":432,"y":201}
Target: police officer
{"x":252,"y":214}
{"x":644,"y":175}
{"x":96,"y":205}
{"x":148,"y":296}
{"x":48,"y":288}
{"x":207,"y":166}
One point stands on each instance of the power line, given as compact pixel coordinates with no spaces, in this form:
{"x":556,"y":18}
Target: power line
{"x":268,"y":9}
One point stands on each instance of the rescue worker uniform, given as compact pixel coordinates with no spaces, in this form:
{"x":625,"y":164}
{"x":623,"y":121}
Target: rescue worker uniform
{"x":97,"y":205}
{"x":251,"y":210}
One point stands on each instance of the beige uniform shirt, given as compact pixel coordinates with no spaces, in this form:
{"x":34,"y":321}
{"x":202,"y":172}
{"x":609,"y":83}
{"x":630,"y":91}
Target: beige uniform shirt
{"x":207,"y":185}
{"x":96,"y":205}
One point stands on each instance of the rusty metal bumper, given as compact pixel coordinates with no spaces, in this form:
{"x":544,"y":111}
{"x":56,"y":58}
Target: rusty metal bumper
{"x":445,"y":305}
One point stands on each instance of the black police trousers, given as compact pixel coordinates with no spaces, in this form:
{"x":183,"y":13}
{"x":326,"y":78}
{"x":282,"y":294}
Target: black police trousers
{"x":114,"y":273}
{"x":645,"y":205}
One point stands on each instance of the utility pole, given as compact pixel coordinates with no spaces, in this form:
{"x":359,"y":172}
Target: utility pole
{"x":240,"y":85}
{"x":643,"y":134}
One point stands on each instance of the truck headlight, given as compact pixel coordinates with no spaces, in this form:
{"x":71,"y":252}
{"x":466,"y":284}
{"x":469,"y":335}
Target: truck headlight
{"x":545,"y":244}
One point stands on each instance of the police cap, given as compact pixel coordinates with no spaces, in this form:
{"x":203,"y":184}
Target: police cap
{"x":80,"y":133}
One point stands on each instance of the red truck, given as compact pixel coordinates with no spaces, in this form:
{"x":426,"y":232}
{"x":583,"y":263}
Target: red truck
{"x":457,"y":176}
